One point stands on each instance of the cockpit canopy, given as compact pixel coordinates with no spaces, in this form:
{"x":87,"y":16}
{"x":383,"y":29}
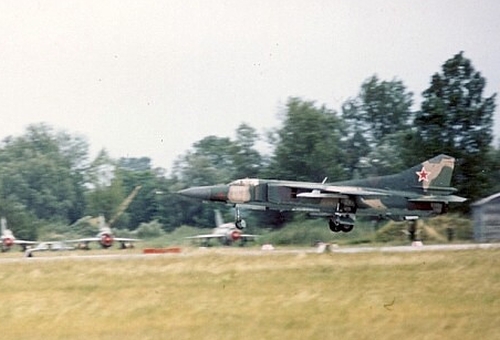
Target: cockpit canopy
{"x":246,"y":182}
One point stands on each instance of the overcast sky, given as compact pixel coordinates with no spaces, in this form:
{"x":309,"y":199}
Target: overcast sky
{"x":150,"y":78}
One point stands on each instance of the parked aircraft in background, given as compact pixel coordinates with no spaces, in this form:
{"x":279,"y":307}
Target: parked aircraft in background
{"x":48,"y":246}
{"x":423,"y":190}
{"x":105,"y":238}
{"x":226,"y":233}
{"x":8,"y":239}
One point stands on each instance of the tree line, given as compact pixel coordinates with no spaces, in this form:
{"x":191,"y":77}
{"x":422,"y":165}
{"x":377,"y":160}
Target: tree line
{"x":46,"y":177}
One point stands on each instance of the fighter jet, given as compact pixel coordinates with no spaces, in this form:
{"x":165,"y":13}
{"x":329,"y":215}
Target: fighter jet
{"x":48,"y":246}
{"x":105,"y":238}
{"x":226,"y":233}
{"x":8,"y":238}
{"x":423,"y":190}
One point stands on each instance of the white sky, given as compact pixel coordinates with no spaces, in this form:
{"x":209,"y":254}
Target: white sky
{"x":150,"y":78}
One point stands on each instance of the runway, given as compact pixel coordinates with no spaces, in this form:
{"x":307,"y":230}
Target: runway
{"x":418,"y":248}
{"x":228,"y":251}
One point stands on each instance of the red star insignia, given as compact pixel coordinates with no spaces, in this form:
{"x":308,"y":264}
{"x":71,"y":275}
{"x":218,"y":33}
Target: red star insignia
{"x":423,"y":175}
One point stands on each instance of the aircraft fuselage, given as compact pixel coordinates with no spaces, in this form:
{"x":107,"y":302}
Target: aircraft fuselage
{"x":422,"y":190}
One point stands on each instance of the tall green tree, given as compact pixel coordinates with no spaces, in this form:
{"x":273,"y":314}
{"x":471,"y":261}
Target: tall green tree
{"x":376,"y":121}
{"x":213,"y":160}
{"x":309,"y":146}
{"x":145,"y":207}
{"x":106,"y":190}
{"x":455,"y":118}
{"x":380,"y":109}
{"x":208,"y":162}
{"x":42,"y":170}
{"x":247,"y":161}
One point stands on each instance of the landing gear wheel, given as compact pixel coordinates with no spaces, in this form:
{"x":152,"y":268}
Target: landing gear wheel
{"x":334,"y":225}
{"x":241,"y":224}
{"x":347,"y":227}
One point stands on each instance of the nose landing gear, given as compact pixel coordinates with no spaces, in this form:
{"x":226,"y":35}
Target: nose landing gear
{"x":239,"y":222}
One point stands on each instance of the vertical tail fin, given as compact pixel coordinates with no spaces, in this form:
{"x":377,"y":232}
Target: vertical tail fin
{"x":218,"y":218}
{"x":433,"y":175}
{"x":3,"y":224}
{"x":102,"y":222}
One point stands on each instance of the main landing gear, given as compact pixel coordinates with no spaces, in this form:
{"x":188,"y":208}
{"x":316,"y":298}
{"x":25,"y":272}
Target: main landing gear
{"x":341,"y":223}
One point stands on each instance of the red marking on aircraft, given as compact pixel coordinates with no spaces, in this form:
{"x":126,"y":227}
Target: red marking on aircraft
{"x":423,"y":175}
{"x":235,"y":235}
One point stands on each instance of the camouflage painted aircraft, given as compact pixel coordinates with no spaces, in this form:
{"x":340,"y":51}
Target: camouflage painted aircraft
{"x":423,"y":190}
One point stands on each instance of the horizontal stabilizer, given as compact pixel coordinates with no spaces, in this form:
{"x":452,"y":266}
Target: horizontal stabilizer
{"x":442,"y":189}
{"x":24,"y":242}
{"x":249,"y":236}
{"x":209,"y":236}
{"x":121,"y":239}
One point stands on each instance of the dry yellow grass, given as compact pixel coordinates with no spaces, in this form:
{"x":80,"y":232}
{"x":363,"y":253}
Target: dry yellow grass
{"x":222,"y":294}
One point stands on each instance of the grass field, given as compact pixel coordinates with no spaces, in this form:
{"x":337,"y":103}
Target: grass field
{"x":224,"y":294}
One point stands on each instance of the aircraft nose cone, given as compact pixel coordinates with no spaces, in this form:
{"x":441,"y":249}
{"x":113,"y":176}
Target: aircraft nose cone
{"x":202,"y":193}
{"x":208,"y":193}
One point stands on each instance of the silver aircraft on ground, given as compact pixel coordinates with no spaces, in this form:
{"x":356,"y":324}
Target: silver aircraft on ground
{"x":105,"y":238}
{"x":226,"y":233}
{"x":48,"y":246}
{"x":9,"y":240}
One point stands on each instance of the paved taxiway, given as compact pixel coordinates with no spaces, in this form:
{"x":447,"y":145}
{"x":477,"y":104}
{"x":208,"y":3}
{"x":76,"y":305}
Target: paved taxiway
{"x":250,"y":252}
